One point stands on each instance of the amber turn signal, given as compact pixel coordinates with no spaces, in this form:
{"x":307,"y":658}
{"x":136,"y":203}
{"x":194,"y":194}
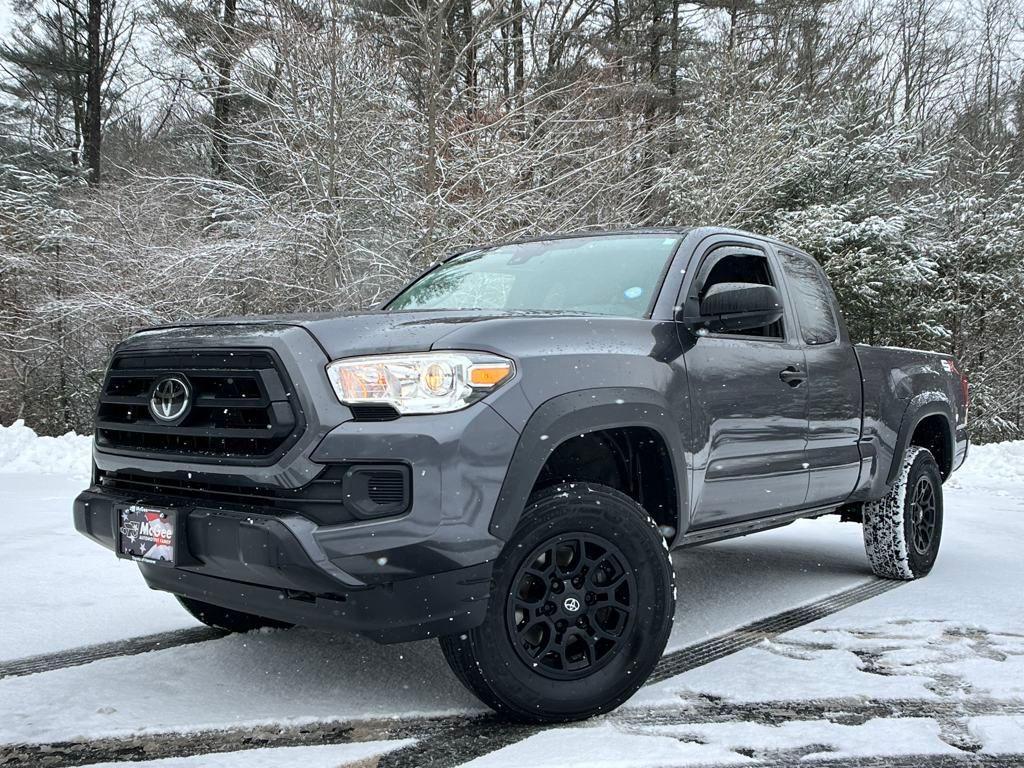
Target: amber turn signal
{"x":489,"y":374}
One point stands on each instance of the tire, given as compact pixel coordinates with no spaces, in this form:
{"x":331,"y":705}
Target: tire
{"x":227,"y":619}
{"x":582,"y":607}
{"x":903,"y":529}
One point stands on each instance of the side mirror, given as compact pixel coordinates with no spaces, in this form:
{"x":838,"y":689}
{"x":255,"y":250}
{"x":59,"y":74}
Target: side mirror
{"x":739,"y":306}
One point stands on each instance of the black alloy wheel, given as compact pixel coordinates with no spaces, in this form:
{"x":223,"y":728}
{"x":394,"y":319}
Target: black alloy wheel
{"x":923,"y":515}
{"x":573,"y":600}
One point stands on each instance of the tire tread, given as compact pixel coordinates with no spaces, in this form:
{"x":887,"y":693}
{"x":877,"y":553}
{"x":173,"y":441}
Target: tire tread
{"x":885,"y":536}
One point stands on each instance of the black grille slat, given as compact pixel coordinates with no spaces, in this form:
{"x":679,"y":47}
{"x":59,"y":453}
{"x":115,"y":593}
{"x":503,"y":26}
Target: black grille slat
{"x":329,"y":483}
{"x":184,"y":359}
{"x":386,"y":487}
{"x":281,"y":430}
{"x":141,"y":400}
{"x":242,"y":406}
{"x":321,"y":500}
{"x":363,"y":412}
{"x":208,"y":401}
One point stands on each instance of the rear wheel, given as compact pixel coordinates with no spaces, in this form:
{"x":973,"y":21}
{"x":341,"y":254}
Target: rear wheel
{"x":581,"y":610}
{"x":225,"y":618}
{"x":903,"y":529}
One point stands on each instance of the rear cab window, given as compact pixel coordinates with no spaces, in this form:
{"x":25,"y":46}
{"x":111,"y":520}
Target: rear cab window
{"x":813,"y":298}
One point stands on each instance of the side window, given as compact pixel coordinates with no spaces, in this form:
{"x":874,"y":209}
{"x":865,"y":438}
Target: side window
{"x":813,"y":299}
{"x":741,"y":268}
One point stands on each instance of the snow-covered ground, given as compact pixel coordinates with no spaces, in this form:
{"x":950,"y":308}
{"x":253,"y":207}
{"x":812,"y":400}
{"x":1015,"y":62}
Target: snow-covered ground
{"x":935,"y":667}
{"x":58,"y":590}
{"x":321,"y":756}
{"x":946,"y":651}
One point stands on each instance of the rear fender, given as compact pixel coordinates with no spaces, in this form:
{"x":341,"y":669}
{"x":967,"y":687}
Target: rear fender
{"x":918,"y":409}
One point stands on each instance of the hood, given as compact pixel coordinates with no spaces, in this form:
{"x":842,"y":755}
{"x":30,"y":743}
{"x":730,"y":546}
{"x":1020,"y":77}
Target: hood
{"x":349,"y":334}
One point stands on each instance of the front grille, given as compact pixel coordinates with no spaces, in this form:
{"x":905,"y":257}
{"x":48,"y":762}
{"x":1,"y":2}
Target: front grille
{"x":242,"y":406}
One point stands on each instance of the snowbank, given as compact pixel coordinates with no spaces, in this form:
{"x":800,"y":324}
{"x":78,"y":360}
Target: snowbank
{"x":22,"y":451}
{"x":992,"y":464}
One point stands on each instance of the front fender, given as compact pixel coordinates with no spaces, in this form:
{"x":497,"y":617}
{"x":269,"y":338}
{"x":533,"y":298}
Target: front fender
{"x":574,"y":414}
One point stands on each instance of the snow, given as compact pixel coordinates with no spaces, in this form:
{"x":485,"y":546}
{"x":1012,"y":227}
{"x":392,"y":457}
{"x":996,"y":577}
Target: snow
{"x":23,"y":451}
{"x":953,"y":640}
{"x":764,"y":674}
{"x":59,"y":589}
{"x":998,"y":735}
{"x":321,"y":756}
{"x":292,"y":677}
{"x":718,"y":743}
{"x":996,"y":466}
{"x":905,"y":736}
{"x":603,"y":747}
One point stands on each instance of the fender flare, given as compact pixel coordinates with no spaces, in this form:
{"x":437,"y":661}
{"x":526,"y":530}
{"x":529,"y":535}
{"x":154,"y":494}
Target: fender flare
{"x":576,"y":413}
{"x":919,"y":408}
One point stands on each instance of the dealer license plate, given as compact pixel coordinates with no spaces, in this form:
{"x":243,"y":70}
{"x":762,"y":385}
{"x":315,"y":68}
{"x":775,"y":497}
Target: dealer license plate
{"x":147,"y":533}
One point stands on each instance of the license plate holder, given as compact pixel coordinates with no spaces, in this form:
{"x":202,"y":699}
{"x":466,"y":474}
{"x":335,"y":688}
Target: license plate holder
{"x":147,"y":534}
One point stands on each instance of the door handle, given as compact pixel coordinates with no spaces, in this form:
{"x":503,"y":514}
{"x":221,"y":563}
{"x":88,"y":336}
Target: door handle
{"x":793,"y":376}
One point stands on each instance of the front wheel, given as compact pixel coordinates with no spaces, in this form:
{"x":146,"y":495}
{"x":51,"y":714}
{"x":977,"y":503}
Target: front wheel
{"x":581,"y":610}
{"x":902,"y":530}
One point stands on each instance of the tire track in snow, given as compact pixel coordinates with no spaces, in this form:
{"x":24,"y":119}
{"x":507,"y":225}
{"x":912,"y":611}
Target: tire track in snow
{"x":162,"y":745}
{"x":838,"y":711}
{"x":671,"y":664}
{"x":77,"y":656}
{"x":706,"y":651}
{"x":452,"y":746}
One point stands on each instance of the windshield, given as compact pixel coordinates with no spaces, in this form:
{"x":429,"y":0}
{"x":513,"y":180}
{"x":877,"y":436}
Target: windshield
{"x":601,"y":275}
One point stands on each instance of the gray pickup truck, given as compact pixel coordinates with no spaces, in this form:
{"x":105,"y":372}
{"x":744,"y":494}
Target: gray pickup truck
{"x":504,"y":454}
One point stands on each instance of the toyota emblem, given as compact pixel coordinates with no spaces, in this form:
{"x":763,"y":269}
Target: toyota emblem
{"x":571,"y":604}
{"x":170,"y":399}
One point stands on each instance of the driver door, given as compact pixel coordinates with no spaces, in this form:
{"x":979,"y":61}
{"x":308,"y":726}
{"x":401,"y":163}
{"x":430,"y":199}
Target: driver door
{"x":748,"y":396}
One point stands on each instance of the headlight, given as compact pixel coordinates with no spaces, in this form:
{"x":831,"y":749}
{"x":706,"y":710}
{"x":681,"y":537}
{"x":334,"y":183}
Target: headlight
{"x":421,"y":382}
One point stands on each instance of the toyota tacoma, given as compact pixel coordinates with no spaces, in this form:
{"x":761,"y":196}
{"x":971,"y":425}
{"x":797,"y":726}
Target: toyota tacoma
{"x":504,"y":455}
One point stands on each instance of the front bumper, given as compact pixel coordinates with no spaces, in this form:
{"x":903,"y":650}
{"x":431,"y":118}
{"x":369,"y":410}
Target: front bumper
{"x":422,"y":572}
{"x":257,"y":564}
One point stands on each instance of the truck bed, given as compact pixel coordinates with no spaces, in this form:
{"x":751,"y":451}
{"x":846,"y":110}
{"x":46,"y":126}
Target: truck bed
{"x":896,"y":381}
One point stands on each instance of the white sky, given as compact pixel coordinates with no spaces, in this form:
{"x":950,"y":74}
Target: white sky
{"x":5,"y":17}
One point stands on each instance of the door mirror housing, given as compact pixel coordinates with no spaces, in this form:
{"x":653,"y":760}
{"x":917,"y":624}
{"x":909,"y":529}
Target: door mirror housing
{"x":739,"y":306}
